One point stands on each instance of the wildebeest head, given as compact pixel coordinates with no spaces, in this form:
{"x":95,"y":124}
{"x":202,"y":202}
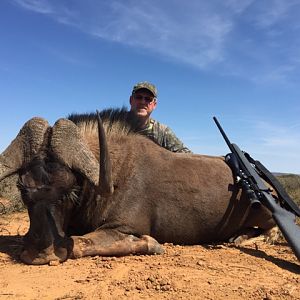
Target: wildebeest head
{"x":49,"y":181}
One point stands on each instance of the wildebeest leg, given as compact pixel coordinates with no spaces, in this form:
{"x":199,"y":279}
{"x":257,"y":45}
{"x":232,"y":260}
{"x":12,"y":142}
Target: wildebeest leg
{"x":27,"y":144}
{"x":110,"y":242}
{"x":253,"y":235}
{"x":245,"y":235}
{"x":259,"y":222}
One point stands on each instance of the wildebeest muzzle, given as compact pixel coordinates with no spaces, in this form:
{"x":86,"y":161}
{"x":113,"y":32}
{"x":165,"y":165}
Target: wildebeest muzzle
{"x":45,"y":241}
{"x":43,"y":187}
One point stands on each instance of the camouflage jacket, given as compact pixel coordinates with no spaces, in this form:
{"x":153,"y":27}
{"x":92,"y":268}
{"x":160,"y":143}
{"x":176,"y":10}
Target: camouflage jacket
{"x":164,"y":136}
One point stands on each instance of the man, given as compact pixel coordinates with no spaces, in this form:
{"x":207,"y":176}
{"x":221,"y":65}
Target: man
{"x":143,"y":101}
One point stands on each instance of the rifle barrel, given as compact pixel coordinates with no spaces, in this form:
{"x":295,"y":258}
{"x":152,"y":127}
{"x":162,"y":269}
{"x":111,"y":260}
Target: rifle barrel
{"x":223,"y":133}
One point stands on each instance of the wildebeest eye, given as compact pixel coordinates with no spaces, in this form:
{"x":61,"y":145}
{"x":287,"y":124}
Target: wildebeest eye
{"x":27,"y":199}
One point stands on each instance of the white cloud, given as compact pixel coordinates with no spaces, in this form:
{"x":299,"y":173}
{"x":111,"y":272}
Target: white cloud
{"x":274,"y":11}
{"x":195,"y":37}
{"x":193,"y":33}
{"x":238,"y":6}
{"x":279,"y":74}
{"x":38,"y":6}
{"x":55,"y":9}
{"x":278,"y":145}
{"x":246,"y":38}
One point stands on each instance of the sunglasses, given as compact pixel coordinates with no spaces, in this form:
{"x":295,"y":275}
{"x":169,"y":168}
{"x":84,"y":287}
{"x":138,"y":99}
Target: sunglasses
{"x":147,"y":99}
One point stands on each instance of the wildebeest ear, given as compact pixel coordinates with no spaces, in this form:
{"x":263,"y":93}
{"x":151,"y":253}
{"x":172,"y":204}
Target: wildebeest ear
{"x":28,"y":143}
{"x":68,"y":146}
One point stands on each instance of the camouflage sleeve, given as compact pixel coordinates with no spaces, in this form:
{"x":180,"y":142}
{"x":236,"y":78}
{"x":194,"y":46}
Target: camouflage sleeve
{"x":171,"y":142}
{"x":164,"y":137}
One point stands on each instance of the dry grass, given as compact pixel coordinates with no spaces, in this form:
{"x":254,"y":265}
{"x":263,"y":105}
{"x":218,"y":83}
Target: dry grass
{"x":291,"y":183}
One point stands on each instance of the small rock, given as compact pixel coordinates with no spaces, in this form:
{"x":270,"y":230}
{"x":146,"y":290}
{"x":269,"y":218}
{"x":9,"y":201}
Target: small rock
{"x":165,"y":288}
{"x":148,"y":285}
{"x":107,"y":266}
{"x":104,"y":258}
{"x":268,"y":297}
{"x":164,"y":282}
{"x":201,"y":263}
{"x":151,"y":279}
{"x":139,"y":287}
{"x":53,"y":262}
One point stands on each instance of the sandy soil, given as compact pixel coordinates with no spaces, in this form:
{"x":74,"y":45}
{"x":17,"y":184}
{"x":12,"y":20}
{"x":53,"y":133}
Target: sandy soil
{"x":256,"y":271}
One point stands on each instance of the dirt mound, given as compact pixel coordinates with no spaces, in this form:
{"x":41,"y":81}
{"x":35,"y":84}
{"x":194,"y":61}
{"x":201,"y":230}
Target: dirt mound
{"x":257,"y":271}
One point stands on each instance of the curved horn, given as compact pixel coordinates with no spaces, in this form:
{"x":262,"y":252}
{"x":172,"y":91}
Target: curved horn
{"x":69,"y":147}
{"x":105,"y":176}
{"x":28,"y":143}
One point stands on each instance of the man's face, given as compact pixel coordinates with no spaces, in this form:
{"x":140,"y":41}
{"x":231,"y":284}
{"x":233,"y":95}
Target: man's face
{"x":142,"y":103}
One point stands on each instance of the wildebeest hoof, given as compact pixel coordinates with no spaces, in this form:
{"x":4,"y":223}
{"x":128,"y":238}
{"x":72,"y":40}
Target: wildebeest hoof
{"x":48,"y":256}
{"x":79,"y":244}
{"x":153,"y":246}
{"x":240,"y":240}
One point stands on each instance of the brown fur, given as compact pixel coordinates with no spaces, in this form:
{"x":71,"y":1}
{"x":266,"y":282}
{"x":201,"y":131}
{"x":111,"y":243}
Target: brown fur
{"x":158,"y":196}
{"x":165,"y":190}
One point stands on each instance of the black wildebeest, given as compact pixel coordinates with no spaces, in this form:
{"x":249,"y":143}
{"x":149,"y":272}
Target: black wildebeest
{"x":124,"y":198}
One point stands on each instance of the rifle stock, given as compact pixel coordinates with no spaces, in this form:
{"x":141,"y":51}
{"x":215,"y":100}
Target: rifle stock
{"x":252,"y":182}
{"x":285,"y":221}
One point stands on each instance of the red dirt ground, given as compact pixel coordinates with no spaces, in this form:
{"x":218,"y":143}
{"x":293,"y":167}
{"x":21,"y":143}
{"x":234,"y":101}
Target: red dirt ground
{"x":256,"y":271}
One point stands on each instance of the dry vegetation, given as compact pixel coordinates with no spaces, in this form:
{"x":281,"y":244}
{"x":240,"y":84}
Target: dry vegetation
{"x":291,"y":183}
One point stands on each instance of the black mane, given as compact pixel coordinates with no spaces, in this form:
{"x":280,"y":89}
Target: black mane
{"x":110,"y":116}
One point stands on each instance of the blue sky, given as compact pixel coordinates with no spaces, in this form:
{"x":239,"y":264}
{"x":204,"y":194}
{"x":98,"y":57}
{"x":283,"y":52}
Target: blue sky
{"x":238,"y":60}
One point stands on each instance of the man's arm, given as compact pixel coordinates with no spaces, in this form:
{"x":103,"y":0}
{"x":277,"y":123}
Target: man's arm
{"x":173,"y":143}
{"x":164,"y":137}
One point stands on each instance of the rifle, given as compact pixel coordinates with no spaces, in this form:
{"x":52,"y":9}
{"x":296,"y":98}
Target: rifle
{"x":259,"y":194}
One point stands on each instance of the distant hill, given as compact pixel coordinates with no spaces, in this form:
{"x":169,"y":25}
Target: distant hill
{"x":283,"y":174}
{"x":291,"y":183}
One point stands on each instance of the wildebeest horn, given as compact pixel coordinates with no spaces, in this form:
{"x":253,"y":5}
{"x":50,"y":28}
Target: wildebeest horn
{"x":69,"y":147}
{"x":27,"y":144}
{"x":105,"y":176}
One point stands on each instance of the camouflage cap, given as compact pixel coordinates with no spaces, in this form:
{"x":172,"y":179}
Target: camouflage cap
{"x":145,"y":85}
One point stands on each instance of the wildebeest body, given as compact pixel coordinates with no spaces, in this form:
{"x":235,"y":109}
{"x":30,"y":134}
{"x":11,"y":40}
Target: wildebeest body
{"x":185,"y":205}
{"x":178,"y":198}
